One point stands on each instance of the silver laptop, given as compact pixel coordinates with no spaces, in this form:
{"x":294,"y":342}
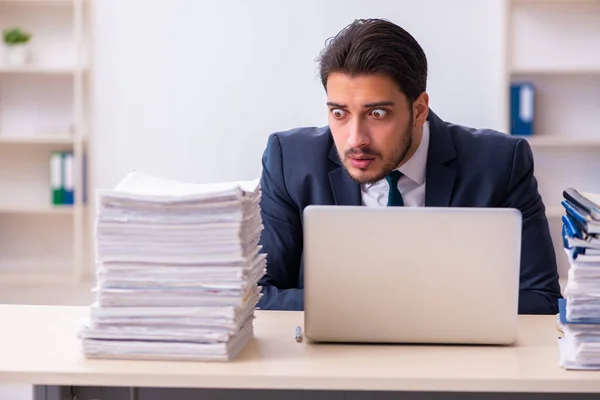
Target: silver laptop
{"x":411,"y":274}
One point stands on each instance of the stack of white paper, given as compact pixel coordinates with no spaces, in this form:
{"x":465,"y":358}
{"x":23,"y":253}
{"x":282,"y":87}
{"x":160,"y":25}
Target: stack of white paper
{"x":580,"y":346}
{"x":580,"y":314}
{"x":580,"y":310}
{"x":178,"y":267}
{"x":583,"y":290}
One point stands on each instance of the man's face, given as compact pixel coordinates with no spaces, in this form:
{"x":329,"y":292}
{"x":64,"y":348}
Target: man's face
{"x":371,"y":122}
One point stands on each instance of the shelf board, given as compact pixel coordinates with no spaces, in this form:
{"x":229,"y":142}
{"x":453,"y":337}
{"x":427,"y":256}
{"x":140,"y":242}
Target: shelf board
{"x":37,"y":70}
{"x":558,"y":142}
{"x":36,"y":210}
{"x":40,"y":2}
{"x":592,"y":71}
{"x":37,"y":139}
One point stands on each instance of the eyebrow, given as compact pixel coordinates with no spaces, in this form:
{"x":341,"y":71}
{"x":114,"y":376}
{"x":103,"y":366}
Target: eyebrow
{"x":379,"y":104}
{"x":369,"y":105}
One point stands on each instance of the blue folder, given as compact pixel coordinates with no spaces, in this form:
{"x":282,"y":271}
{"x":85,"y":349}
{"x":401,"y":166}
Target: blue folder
{"x":570,"y":229}
{"x":562,"y":313}
{"x":582,"y":218}
{"x":69,"y":181}
{"x":522,"y":108}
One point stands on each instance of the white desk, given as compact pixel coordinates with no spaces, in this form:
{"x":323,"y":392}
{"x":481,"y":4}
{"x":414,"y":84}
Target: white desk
{"x":39,"y":345}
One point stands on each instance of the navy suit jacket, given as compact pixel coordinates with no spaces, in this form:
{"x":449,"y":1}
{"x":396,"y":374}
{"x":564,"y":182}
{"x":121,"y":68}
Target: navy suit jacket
{"x":465,"y":168}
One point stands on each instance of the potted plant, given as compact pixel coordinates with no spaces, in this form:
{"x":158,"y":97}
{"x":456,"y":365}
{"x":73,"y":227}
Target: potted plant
{"x":15,"y":41}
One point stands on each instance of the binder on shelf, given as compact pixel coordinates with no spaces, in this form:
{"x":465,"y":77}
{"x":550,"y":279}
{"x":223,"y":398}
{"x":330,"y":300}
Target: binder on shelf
{"x":56,"y":179}
{"x":69,"y":182}
{"x":62,"y":178}
{"x":522,"y":108}
{"x":83,"y":181}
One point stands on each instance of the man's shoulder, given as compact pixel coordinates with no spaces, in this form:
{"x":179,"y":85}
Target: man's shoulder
{"x":310,"y":135}
{"x":487,"y":143}
{"x":304,"y":148}
{"x":301,"y":150}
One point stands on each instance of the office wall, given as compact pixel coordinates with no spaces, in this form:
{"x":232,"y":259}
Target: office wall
{"x":191,"y":89}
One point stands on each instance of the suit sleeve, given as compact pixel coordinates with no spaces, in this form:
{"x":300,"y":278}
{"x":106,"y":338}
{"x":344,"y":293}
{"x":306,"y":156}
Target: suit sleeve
{"x":539,"y":282}
{"x":281,"y":237}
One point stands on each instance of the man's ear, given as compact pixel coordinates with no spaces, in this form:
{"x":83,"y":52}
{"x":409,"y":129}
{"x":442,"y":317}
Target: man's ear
{"x":420,"y":110}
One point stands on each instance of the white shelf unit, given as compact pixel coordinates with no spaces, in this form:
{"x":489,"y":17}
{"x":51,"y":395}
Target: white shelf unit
{"x":43,"y":108}
{"x":555,"y":44}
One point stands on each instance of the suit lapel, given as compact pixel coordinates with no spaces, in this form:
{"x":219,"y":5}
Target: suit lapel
{"x":346,"y":192}
{"x":438,"y":190}
{"x":440,"y":173}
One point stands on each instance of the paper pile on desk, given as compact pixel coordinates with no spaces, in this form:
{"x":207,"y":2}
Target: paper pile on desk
{"x":580,"y":310}
{"x":178,"y":266}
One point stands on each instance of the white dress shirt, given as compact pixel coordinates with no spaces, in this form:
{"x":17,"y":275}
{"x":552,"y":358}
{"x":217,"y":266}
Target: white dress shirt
{"x":411,"y":184}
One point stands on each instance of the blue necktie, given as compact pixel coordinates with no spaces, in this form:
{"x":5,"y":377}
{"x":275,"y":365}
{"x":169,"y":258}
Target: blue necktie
{"x":394,"y":196}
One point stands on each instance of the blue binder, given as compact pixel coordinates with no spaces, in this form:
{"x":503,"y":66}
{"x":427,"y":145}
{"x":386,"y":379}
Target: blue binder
{"x":571,"y":230}
{"x":69,"y":178}
{"x":83,"y":162}
{"x":562,"y":313}
{"x":522,"y":108}
{"x":581,"y":217}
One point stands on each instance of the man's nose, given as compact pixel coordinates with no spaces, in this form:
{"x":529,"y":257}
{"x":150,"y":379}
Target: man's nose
{"x":358,"y":135}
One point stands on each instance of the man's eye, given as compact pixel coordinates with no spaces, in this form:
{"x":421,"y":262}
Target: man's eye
{"x":378,"y":113}
{"x":338,"y":113}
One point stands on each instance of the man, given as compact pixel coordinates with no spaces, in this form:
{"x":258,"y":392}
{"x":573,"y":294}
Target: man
{"x":385,"y":147}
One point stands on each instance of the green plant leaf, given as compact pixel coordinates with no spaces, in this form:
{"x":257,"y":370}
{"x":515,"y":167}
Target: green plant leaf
{"x":15,"y":36}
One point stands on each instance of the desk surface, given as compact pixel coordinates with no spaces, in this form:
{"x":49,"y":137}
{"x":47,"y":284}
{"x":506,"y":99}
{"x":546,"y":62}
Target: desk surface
{"x":39,"y":345}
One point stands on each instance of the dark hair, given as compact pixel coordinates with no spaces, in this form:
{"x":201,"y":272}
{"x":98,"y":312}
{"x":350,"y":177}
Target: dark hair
{"x":376,"y":46}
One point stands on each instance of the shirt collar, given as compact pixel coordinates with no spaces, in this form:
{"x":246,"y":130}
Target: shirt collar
{"x":415,"y":167}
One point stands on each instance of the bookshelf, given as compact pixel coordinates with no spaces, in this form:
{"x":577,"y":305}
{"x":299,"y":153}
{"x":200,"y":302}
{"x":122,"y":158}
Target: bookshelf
{"x":43,"y":109}
{"x":555,"y":44}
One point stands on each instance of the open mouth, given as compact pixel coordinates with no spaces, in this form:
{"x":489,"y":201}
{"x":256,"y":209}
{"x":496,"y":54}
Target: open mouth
{"x":361,"y":163}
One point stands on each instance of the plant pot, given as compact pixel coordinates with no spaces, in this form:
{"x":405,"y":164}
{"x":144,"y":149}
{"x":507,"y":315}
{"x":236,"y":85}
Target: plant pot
{"x":16,"y":55}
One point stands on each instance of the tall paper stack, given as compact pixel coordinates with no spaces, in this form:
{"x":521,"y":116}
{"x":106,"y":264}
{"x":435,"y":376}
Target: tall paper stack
{"x":178,"y":267}
{"x":580,"y":310}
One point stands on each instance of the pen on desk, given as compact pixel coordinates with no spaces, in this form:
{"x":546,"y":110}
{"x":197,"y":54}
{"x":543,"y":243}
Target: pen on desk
{"x":298,"y":334}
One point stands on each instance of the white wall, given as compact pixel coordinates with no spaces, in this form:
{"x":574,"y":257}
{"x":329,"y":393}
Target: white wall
{"x":191,"y":89}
